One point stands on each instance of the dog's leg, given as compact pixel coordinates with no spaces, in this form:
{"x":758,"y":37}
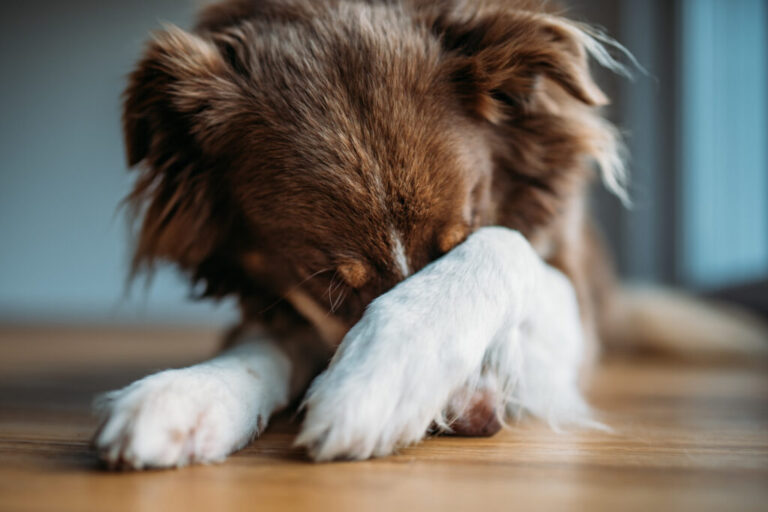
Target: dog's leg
{"x":201,"y":413}
{"x":490,"y":305}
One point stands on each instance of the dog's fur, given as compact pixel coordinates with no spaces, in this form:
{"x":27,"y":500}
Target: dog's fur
{"x":290,"y":139}
{"x":307,"y":156}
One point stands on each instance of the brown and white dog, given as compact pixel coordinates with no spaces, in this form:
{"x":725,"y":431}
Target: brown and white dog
{"x":335,"y":165}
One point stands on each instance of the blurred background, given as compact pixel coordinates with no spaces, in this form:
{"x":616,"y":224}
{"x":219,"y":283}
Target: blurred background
{"x":696,"y":126}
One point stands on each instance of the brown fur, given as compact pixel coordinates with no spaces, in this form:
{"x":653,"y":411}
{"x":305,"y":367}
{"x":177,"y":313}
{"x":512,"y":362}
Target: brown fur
{"x":283,"y":142}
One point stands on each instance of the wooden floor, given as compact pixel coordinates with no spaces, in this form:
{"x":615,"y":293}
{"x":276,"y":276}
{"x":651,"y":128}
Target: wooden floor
{"x":686,"y":437}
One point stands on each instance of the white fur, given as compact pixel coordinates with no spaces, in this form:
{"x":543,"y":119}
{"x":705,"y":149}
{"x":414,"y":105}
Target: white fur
{"x":197,"y":414}
{"x":489,"y":306}
{"x":399,"y":256}
{"x":489,"y":316}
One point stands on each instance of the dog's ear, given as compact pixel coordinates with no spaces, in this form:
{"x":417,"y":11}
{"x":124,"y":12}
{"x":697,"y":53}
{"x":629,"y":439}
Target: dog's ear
{"x":177,"y":99}
{"x":511,"y":64}
{"x":499,"y":58}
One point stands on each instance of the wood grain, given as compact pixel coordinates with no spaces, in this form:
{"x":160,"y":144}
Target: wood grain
{"x":685,"y":438}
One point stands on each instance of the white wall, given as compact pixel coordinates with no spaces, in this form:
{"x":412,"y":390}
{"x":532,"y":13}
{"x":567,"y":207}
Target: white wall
{"x":63,"y":246}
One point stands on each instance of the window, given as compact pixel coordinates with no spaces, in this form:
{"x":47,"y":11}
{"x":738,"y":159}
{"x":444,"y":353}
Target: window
{"x":724,"y":142}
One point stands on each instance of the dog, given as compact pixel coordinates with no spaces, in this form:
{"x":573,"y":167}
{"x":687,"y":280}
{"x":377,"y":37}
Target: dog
{"x":397,"y":186}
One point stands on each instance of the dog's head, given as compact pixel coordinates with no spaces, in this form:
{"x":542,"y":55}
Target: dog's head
{"x":325,"y":151}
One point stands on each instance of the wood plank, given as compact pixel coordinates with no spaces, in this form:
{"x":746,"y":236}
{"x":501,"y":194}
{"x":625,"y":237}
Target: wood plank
{"x":685,"y":437}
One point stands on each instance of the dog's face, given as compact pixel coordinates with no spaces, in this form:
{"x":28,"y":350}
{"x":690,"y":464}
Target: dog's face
{"x":324,"y":156}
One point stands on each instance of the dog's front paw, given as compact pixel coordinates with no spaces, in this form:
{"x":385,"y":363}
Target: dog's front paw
{"x":170,"y":419}
{"x":356,"y":422}
{"x":373,"y":399}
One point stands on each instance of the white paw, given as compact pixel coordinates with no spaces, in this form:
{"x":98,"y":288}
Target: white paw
{"x":171,"y":419}
{"x":356,"y":423}
{"x":369,"y":402}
